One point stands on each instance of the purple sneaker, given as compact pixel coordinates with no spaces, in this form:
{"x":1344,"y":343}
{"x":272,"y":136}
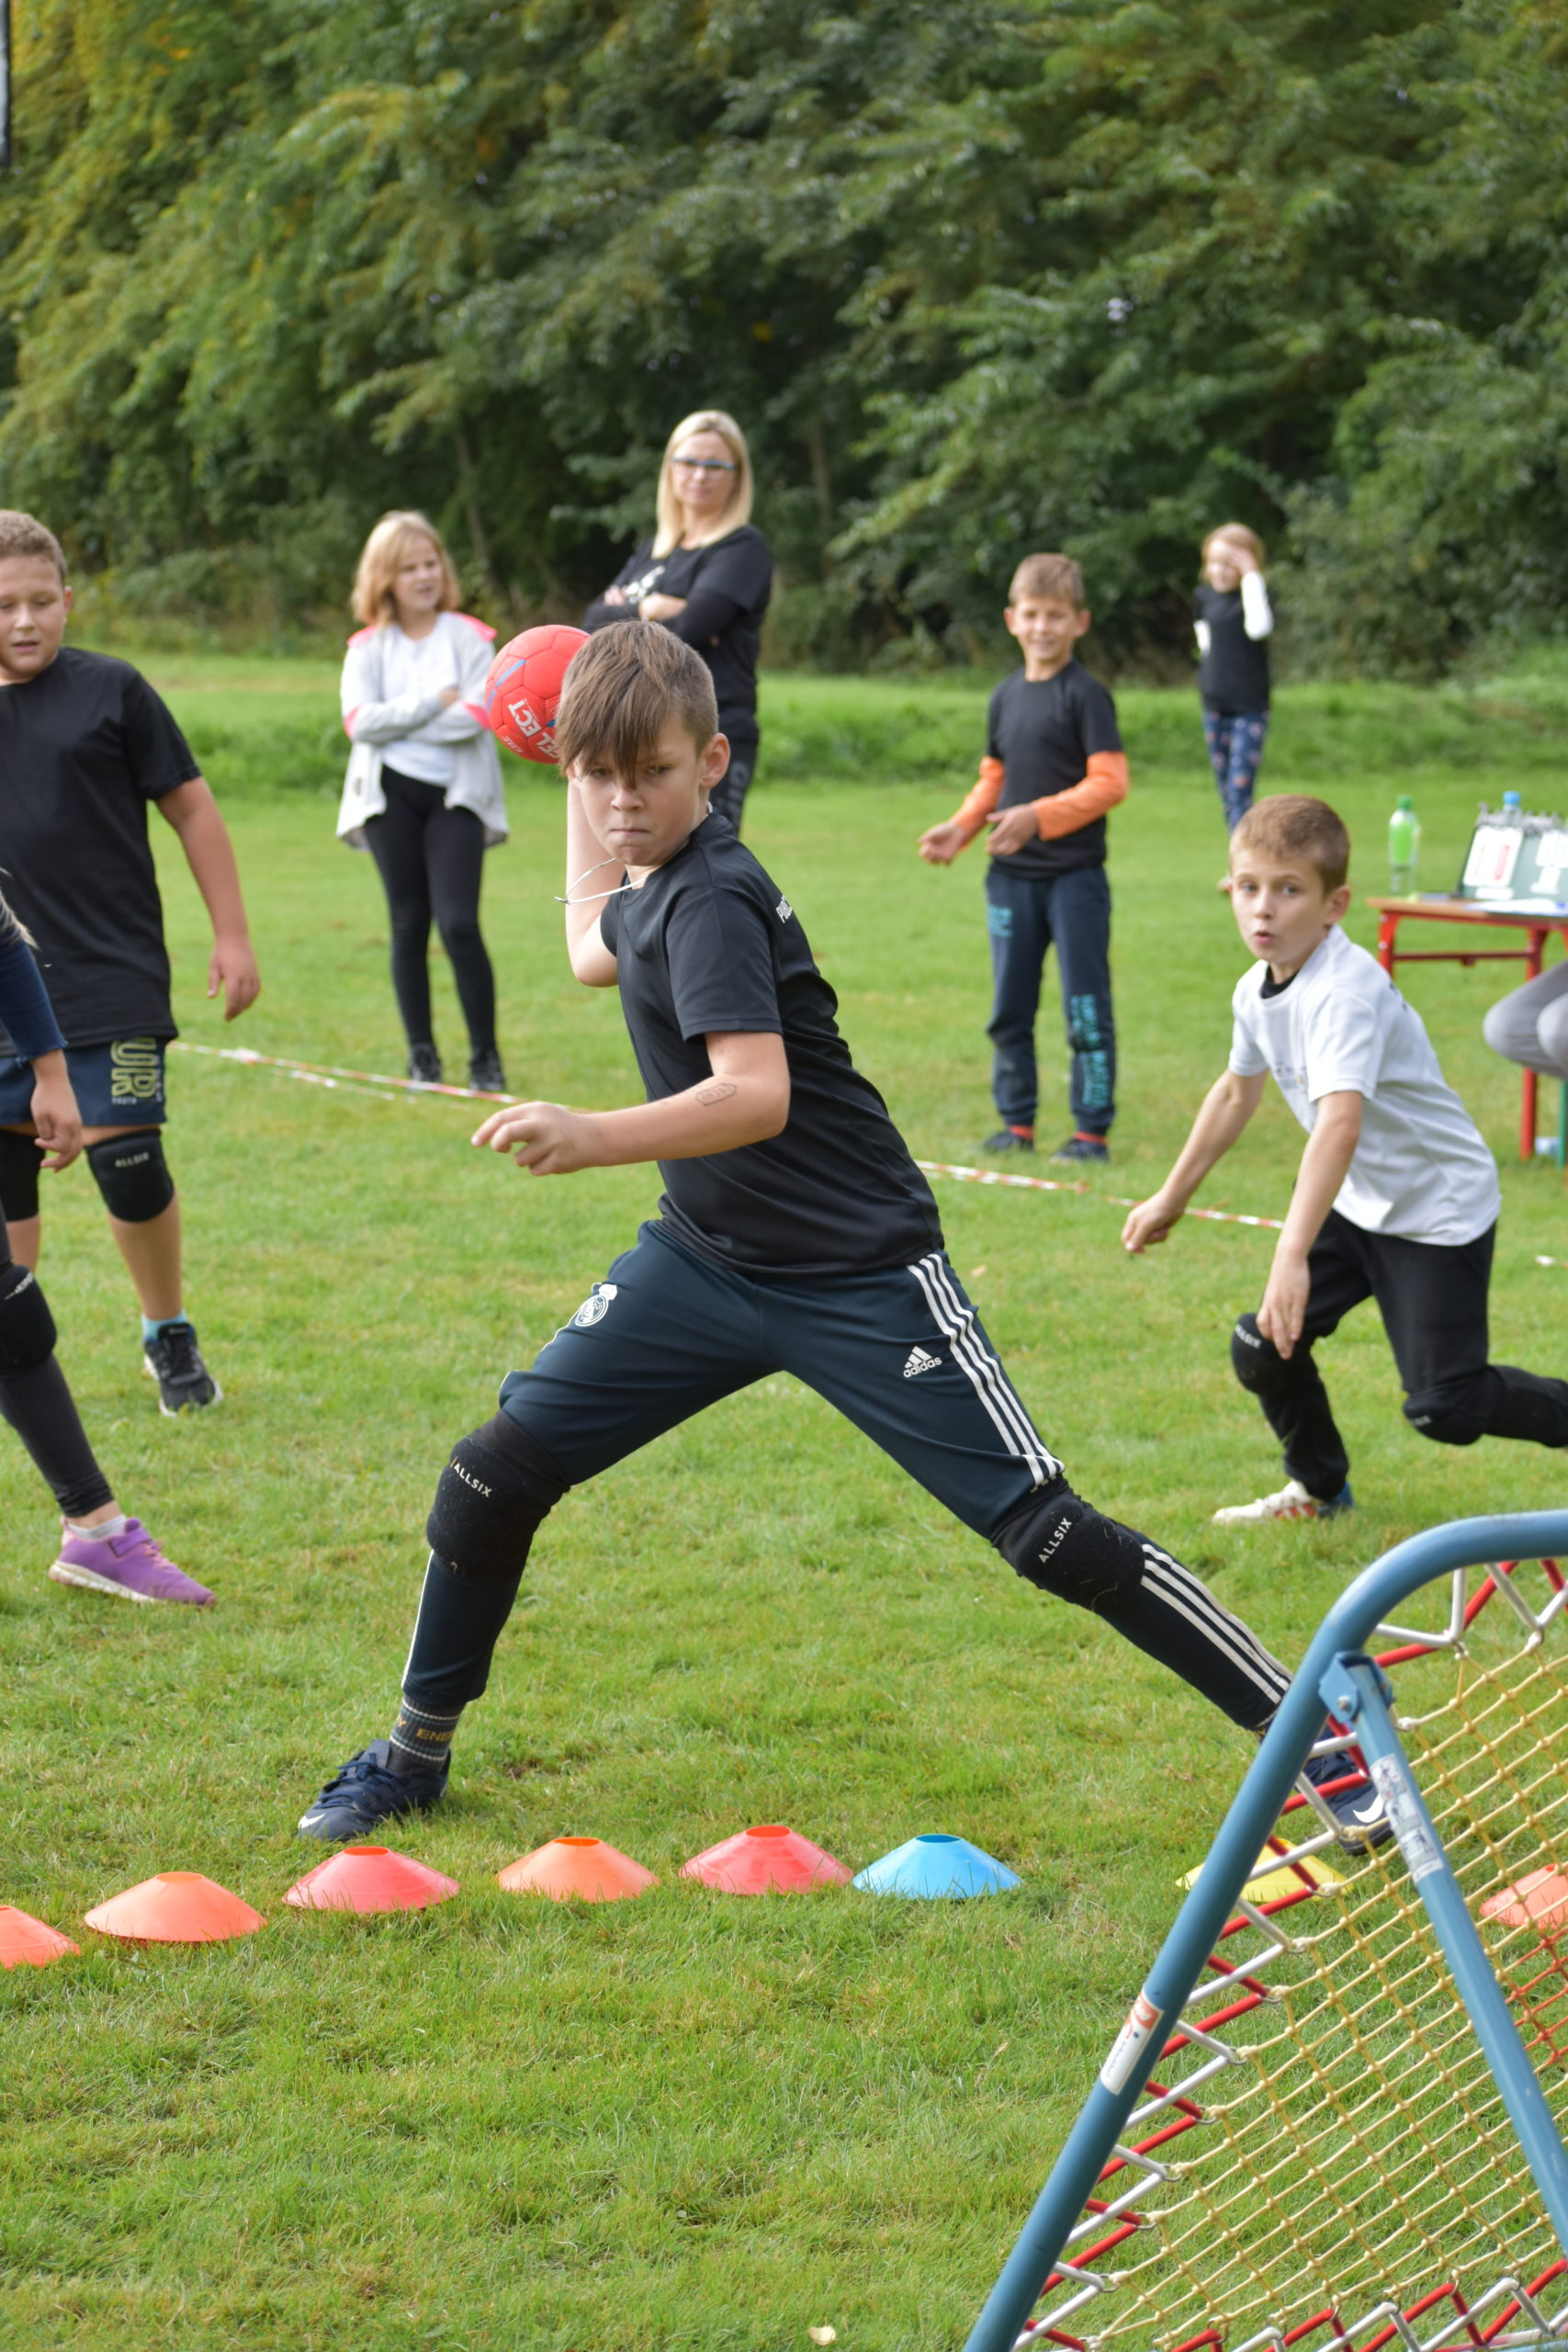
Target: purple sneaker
{"x":130,"y":1566}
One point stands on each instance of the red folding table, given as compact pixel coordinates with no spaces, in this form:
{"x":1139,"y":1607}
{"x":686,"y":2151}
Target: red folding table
{"x":1473,"y":916}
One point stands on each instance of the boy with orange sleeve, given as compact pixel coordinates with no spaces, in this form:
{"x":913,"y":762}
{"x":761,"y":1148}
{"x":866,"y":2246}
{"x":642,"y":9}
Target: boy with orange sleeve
{"x":1054,"y":767}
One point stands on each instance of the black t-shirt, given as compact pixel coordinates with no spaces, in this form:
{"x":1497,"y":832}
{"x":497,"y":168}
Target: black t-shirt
{"x":1233,"y":676}
{"x":84,"y":747}
{"x":1043,"y":734}
{"x":727,"y":587}
{"x":708,"y":944}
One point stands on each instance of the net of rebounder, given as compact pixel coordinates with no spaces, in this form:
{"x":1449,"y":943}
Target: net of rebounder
{"x":1323,"y":2155}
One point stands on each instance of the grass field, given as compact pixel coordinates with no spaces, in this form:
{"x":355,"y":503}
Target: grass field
{"x":690,"y":2121}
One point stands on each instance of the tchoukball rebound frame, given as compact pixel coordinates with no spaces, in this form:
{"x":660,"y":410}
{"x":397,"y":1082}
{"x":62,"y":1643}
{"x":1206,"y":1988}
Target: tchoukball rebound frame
{"x":1336,"y":1674}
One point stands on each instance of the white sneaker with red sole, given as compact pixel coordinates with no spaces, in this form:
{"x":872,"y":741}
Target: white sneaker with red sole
{"x":1292,"y":1501}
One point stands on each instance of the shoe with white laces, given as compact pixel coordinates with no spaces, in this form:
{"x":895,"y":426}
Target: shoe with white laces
{"x":132,"y":1566}
{"x":1292,"y":1501}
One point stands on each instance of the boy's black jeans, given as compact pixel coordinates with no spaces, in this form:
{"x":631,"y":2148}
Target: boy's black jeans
{"x":1432,"y":1299}
{"x":1027,"y":914}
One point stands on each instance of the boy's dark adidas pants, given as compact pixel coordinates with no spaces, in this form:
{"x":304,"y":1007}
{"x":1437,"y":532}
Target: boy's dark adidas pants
{"x":1432,"y":1299}
{"x":1026,"y":915}
{"x":901,"y":1353}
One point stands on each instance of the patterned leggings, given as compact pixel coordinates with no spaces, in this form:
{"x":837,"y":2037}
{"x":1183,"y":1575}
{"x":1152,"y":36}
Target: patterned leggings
{"x":1235,"y":754}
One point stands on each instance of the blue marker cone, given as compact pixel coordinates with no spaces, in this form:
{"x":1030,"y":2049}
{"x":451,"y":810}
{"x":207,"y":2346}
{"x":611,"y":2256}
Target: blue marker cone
{"x":936,"y":1865}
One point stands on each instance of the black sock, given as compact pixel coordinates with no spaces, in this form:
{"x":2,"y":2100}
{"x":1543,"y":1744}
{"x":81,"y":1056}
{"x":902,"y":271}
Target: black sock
{"x":40,"y":1408}
{"x":420,"y":1740}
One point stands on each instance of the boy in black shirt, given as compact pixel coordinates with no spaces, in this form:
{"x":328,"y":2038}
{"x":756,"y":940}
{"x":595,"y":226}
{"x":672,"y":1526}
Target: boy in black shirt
{"x":1053,"y":766}
{"x":796,"y":1234}
{"x":84,"y":745}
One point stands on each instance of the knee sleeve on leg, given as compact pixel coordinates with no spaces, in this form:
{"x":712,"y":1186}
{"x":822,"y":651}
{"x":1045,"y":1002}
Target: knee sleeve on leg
{"x":493,"y":1494}
{"x":19,"y":1157}
{"x":1452,"y":1414}
{"x":132,"y":1175}
{"x":1068,"y":1548}
{"x":1254,"y":1359}
{"x":26,"y":1327}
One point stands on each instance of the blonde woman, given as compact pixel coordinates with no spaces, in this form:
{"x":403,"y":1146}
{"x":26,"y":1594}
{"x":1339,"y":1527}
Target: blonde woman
{"x":706,"y":574}
{"x":423,"y":792}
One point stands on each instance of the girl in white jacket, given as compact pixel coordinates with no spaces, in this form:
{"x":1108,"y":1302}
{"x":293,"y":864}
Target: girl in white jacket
{"x":423,"y":792}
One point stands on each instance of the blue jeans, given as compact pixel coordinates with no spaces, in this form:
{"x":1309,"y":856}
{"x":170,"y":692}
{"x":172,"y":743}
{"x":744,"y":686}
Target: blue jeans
{"x":1236,"y":742}
{"x":1028,"y":914}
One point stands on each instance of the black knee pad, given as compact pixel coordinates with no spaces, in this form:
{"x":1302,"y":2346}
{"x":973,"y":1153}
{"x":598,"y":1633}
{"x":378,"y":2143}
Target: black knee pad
{"x":1452,"y":1414}
{"x":26,"y":1327}
{"x":1068,"y":1548}
{"x":19,"y":1157}
{"x":1254,"y":1359}
{"x":132,"y":1175}
{"x":493,"y":1494}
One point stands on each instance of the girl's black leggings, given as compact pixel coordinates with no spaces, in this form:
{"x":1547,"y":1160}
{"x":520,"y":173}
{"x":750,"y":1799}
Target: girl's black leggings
{"x":40,"y":1408}
{"x":431,"y":860}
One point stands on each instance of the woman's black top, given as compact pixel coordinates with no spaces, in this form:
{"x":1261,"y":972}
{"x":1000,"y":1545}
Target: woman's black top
{"x":727,"y":585}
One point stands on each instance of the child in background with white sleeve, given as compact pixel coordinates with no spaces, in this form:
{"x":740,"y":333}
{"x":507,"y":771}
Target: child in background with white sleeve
{"x":1232,"y":621}
{"x":1398,"y":1194}
{"x":423,"y":792}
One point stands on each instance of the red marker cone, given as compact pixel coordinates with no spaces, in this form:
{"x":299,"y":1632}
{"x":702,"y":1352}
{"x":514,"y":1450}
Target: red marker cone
{"x":175,"y":1907}
{"x":757,"y":1860}
{"x":1541,"y":1900}
{"x":586,"y":1867}
{"x":26,"y":1942}
{"x":370,"y":1878}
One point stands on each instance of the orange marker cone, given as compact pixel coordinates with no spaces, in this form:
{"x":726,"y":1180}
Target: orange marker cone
{"x":1539,"y":1899}
{"x":757,"y":1860}
{"x":586,"y":1867}
{"x":26,"y":1942}
{"x":175,"y":1907}
{"x":370,"y":1878}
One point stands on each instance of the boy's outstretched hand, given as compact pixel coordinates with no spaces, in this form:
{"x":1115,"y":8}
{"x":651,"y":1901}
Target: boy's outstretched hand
{"x":544,"y":1137}
{"x":939,"y":845}
{"x":1152,"y":1220}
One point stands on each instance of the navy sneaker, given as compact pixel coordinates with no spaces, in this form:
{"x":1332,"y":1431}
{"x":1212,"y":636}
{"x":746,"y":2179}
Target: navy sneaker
{"x":1082,"y":1147}
{"x":1356,"y":1806}
{"x":357,"y":1800}
{"x":1010,"y":1139}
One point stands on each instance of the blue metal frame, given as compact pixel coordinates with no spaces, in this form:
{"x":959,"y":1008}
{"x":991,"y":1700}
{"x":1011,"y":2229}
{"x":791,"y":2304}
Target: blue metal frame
{"x":1342,"y":1637}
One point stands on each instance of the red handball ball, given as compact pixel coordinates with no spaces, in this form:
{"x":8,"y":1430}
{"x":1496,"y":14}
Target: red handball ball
{"x":523,"y":688}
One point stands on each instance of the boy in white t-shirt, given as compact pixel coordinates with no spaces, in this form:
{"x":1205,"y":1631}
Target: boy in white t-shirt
{"x":1398,"y":1196}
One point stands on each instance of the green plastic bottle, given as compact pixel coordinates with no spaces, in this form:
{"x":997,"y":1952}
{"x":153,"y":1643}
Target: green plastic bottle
{"x":1404,"y":846}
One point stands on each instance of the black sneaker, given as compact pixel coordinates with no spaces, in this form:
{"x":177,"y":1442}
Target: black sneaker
{"x":1008,"y":1139}
{"x":485,"y":1073}
{"x":1081,"y":1146}
{"x":357,"y":1800}
{"x":425,"y":1066}
{"x":173,"y":1361}
{"x":1339,"y":1787}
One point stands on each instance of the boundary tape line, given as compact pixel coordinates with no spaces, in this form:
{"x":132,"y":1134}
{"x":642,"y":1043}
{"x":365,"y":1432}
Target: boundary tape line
{"x":382,"y":1087}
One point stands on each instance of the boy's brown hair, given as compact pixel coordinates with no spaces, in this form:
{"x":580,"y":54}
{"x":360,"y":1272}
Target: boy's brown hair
{"x":25,"y":535}
{"x":623,"y":689}
{"x":1048,"y":575}
{"x":1291,"y":824}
